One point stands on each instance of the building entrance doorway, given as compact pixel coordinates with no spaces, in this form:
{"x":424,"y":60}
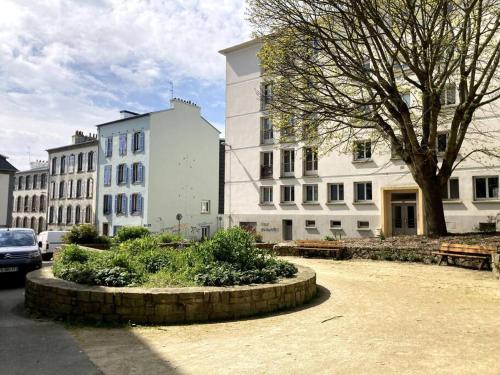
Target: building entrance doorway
{"x":404,"y":213}
{"x":287,"y":230}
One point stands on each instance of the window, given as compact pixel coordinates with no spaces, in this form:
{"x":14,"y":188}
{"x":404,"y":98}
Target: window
{"x":107,"y":204}
{"x":288,"y":163}
{"x":362,"y":150}
{"x":43,"y":181}
{"x":121,"y":204}
{"x":71,"y":164}
{"x":60,"y":215}
{"x":363,"y":191}
{"x":35,"y":181}
{"x":266,"y":130}
{"x":137,"y":173}
{"x":121,"y":174}
{"x":20,"y":183}
{"x":19,"y":203}
{"x":311,"y":224}
{"x":109,"y":147}
{"x":310,"y":161}
{"x":335,"y":224}
{"x":406,"y":96}
{"x":288,"y":194}
{"x":105,"y":229}
{"x":28,"y":183}
{"x":363,"y":224}
{"x":451,"y":190}
{"x":79,"y":188}
{"x":266,"y":164}
{"x":449,"y":95}
{"x":51,"y":215}
{"x":53,"y":190}
{"x":33,"y":203}
{"x":78,"y":215}
{"x":69,"y":212}
{"x":311,"y":193}
{"x":70,"y":189}
{"x":62,"y":165}
{"x":88,"y":214}
{"x":53,"y":167}
{"x":266,"y":194}
{"x":79,"y":162}
{"x":136,"y":204}
{"x":90,"y":161}
{"x":205,"y":232}
{"x":61,"y":189}
{"x":205,"y":207}
{"x":138,"y":142}
{"x":107,"y":175}
{"x":336,"y":192}
{"x":42,"y":203}
{"x":122,"y":145}
{"x":442,"y":142}
{"x":266,"y":95}
{"x":486,"y":187}
{"x":90,"y":188}
{"x":26,"y":204}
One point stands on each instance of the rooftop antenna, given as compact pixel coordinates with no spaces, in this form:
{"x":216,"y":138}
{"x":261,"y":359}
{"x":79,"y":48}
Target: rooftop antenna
{"x":29,"y":154}
{"x":171,"y":89}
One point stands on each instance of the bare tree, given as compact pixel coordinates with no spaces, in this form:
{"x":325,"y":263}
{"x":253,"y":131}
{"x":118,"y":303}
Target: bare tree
{"x":399,"y":70}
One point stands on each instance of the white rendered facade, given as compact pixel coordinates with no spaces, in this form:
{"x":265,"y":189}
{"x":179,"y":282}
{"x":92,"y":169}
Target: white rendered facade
{"x":156,"y":165}
{"x":286,"y":192}
{"x":72,"y":183}
{"x":30,"y":197}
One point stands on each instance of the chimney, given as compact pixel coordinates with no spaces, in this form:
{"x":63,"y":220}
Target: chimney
{"x":178,"y":102}
{"x":79,"y":137}
{"x":127,"y":114}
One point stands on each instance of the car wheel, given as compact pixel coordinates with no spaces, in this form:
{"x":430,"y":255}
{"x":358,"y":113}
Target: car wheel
{"x":47,"y":256}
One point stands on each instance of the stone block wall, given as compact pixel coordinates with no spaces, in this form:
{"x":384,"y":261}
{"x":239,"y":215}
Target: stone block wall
{"x":55,"y":298}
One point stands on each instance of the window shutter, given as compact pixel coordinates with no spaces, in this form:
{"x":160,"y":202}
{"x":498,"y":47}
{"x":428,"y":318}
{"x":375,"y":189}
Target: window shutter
{"x":84,"y":191}
{"x":126,"y":172}
{"x":117,"y":174}
{"x":139,"y":203}
{"x":141,"y":141}
{"x":116,"y":203}
{"x":140,"y":171}
{"x":120,"y":145}
{"x":131,"y":203}
{"x":124,"y":203}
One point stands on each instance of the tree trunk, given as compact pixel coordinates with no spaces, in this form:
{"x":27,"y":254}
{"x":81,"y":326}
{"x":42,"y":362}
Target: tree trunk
{"x":434,"y":219}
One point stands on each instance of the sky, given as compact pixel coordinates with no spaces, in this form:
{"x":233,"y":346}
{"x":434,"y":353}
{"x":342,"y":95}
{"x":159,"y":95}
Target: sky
{"x":69,"y":65}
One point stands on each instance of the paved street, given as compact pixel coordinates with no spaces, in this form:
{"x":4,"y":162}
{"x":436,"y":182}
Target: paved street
{"x":30,"y":346}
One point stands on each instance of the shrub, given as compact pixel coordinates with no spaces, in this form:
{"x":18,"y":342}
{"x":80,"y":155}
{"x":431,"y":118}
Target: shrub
{"x":138,"y":245}
{"x":258,"y":237}
{"x":131,"y":232}
{"x":167,"y":237}
{"x":84,"y":234}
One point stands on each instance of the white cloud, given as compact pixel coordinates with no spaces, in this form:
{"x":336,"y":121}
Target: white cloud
{"x":69,"y":64}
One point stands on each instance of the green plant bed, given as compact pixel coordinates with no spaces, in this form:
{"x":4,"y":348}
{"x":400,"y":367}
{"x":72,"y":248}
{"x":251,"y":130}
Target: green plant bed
{"x":230,"y":258}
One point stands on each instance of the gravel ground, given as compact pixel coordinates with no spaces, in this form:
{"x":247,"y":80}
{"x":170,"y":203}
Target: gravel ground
{"x":369,"y":318}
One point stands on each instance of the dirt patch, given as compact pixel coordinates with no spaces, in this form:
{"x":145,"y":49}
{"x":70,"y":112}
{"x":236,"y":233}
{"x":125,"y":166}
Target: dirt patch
{"x":371,"y":317}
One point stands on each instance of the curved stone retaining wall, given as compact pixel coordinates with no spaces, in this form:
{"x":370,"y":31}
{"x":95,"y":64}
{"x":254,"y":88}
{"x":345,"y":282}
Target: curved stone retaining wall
{"x":49,"y":296}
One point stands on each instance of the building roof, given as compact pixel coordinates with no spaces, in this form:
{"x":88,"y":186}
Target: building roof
{"x":5,"y":166}
{"x":125,"y":119}
{"x":33,"y":170}
{"x":73,"y":146}
{"x":237,"y":47}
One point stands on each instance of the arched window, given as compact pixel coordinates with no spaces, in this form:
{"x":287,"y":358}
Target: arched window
{"x":43,"y":181}
{"x":35,"y":181}
{"x":26,"y":204}
{"x":90,"y":161}
{"x":90,"y":187}
{"x":42,"y":203}
{"x":60,"y":215}
{"x":77,"y":215}
{"x":79,"y":166}
{"x":20,"y":182}
{"x":71,"y":164}
{"x":53,"y":166}
{"x":61,"y":189}
{"x":41,"y":226}
{"x":69,"y":212}
{"x":34,"y":204}
{"x":25,"y":222}
{"x":28,"y":183}
{"x":79,"y":188}
{"x":19,"y":204}
{"x":33,"y":223}
{"x":88,"y":214}
{"x":51,"y":215}
{"x":62,"y":166}
{"x":18,"y":222}
{"x":53,"y":190}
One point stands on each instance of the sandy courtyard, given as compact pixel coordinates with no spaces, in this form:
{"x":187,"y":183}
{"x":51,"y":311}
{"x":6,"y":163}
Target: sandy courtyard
{"x":369,"y":318}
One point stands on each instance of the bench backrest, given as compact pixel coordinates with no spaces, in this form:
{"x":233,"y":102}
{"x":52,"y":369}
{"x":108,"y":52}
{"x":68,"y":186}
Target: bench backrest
{"x":469,"y":249}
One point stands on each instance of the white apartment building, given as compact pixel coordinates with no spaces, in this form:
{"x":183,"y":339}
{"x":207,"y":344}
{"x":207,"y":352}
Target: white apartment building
{"x":155,"y":166}
{"x":30,"y":197}
{"x":7,"y":172}
{"x":72,"y":187}
{"x":289,"y":191}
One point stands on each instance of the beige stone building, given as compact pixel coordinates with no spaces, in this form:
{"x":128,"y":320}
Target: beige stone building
{"x":290,"y":191}
{"x":7,"y":172}
{"x":30,"y":197}
{"x":72,"y":183}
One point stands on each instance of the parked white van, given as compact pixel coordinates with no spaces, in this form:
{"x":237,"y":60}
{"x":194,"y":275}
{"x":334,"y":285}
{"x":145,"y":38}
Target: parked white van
{"x":49,"y":241}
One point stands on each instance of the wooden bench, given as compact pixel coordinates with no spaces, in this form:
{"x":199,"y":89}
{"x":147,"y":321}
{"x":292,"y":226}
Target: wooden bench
{"x":315,"y":248}
{"x":452,"y":250}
